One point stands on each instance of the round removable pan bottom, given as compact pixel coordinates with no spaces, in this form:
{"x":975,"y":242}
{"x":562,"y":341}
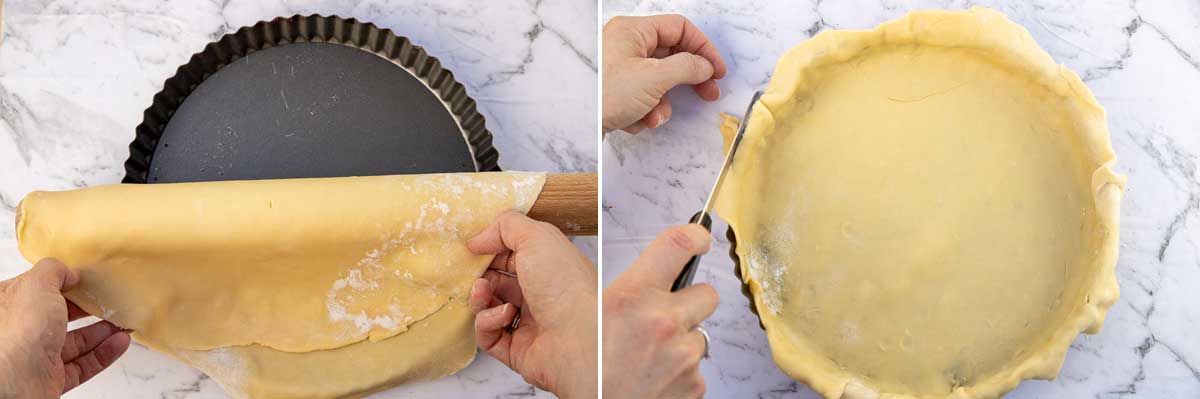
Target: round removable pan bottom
{"x":309,"y":97}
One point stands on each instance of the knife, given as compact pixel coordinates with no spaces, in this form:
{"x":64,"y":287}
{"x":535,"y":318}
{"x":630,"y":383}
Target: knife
{"x":702,"y":218}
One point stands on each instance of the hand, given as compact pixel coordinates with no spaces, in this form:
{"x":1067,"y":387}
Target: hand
{"x":554,"y":347}
{"x":644,"y":57}
{"x":38,"y":357}
{"x":651,"y":349}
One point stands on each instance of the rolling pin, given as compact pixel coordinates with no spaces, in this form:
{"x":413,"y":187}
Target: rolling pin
{"x":569,"y":201}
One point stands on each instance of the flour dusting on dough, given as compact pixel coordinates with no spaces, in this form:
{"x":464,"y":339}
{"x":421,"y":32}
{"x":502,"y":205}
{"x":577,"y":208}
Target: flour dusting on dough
{"x":523,"y":188}
{"x":768,"y":268}
{"x":759,"y":269}
{"x":223,"y":365}
{"x":355,"y":298}
{"x":354,"y":285}
{"x":105,"y":312}
{"x":436,"y":224}
{"x":363,"y":279}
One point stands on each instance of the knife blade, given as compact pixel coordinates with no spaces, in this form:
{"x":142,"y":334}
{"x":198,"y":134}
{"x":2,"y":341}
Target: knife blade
{"x":702,"y":218}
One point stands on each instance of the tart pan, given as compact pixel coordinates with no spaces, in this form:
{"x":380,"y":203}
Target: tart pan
{"x":309,"y":96}
{"x":1094,"y":291}
{"x":737,"y":271}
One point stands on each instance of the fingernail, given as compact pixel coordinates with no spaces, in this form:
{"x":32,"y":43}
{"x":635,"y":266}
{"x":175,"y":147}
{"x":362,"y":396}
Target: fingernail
{"x":471,"y":241}
{"x":495,"y":312}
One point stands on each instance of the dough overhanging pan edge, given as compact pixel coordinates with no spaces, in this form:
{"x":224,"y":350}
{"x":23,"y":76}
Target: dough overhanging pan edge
{"x":1015,"y":45}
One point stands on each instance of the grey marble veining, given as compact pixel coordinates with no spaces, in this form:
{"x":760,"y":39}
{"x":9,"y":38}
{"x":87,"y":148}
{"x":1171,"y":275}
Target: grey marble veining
{"x":75,"y":77}
{"x":1139,"y":58}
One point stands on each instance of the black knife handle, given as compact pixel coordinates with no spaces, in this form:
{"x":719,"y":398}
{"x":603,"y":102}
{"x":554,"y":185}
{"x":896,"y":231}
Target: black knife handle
{"x":689,"y":270}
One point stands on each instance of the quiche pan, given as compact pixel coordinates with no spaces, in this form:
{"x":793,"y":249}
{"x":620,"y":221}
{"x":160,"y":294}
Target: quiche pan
{"x":926,"y":209}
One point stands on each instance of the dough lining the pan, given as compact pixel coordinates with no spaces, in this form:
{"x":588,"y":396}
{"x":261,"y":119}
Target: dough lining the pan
{"x":925,"y":209}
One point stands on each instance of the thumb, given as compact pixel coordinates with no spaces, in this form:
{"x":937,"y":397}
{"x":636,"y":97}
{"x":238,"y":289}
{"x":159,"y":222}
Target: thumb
{"x":51,"y":275}
{"x":665,"y":257}
{"x":678,"y":69}
{"x":511,"y":231}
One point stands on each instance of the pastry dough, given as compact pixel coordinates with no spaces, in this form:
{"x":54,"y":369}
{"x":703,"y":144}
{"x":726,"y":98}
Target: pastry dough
{"x":284,"y":287}
{"x":926,"y":209}
{"x":436,"y":346}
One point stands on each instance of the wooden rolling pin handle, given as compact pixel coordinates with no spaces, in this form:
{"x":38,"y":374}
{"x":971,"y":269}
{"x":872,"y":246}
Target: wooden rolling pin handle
{"x":569,"y":201}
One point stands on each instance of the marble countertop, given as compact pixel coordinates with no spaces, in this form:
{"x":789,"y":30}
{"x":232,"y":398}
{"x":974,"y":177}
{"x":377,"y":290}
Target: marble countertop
{"x":1141,"y":60}
{"x":75,"y":77}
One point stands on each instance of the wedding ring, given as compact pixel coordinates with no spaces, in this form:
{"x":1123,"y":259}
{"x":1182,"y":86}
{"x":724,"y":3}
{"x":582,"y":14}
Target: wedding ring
{"x":515,"y":323}
{"x":704,"y":334}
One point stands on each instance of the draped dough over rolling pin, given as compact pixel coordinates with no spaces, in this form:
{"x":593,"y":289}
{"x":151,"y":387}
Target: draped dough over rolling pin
{"x":924,"y":210}
{"x":292,"y":265}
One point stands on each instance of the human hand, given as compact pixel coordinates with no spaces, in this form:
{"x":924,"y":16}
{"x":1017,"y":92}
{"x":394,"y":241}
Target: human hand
{"x":644,"y":57}
{"x":554,"y":347}
{"x":38,"y":357}
{"x":649,"y":331}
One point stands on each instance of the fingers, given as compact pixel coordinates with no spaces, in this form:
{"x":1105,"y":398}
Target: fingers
{"x":677,"y":69}
{"x":492,"y":317}
{"x":682,"y":69}
{"x":504,"y":288}
{"x":495,"y":319}
{"x":653,"y":119}
{"x":636,"y":127}
{"x":707,"y":90}
{"x":648,"y":56}
{"x":658,"y":115}
{"x":90,"y":363}
{"x":489,"y":330}
{"x":74,"y":312}
{"x":511,"y":231}
{"x":50,"y":274}
{"x":481,"y":296}
{"x":503,"y":261}
{"x":662,"y":261}
{"x":676,"y":31}
{"x":696,"y":345}
{"x":684,"y":358}
{"x":528,"y":247}
{"x":695,"y":303}
{"x":86,"y":339}
{"x":690,"y":384}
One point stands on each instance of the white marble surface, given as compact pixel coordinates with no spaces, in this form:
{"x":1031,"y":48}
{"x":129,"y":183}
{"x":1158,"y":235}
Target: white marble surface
{"x":75,"y":77}
{"x":1141,"y":60}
